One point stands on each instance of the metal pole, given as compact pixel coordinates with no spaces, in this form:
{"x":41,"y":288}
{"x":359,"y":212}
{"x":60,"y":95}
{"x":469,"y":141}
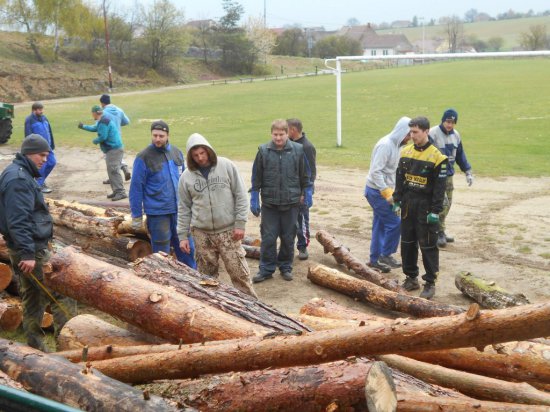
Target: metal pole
{"x":338,"y":103}
{"x":265,"y":18}
{"x":107,"y":45}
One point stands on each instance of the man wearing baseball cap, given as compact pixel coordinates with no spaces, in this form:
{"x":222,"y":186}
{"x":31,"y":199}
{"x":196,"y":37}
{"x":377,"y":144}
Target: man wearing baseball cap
{"x":154,"y":191}
{"x":27,"y":227}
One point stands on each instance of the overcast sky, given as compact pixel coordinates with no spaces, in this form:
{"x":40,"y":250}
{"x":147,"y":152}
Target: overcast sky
{"x":333,"y":14}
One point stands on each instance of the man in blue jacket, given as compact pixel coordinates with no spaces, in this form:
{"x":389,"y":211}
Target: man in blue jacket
{"x":154,"y":190}
{"x":110,"y":143}
{"x":37,"y":123}
{"x":27,"y":227}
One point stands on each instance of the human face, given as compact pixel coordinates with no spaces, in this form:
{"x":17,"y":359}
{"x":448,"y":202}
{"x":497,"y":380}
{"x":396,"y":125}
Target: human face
{"x":159,"y":138}
{"x":38,"y":158}
{"x":419,"y":136}
{"x":200,"y":156}
{"x":293,"y":133}
{"x":38,"y":112}
{"x":96,"y":115}
{"x":407,"y":139}
{"x":448,"y":125}
{"x":279,"y":138}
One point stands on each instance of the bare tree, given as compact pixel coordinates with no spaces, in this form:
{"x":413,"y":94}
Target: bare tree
{"x":454,"y":30}
{"x":261,"y":37}
{"x":535,"y":39}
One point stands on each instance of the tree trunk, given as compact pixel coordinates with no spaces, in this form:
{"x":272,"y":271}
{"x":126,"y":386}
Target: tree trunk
{"x":252,"y":252}
{"x":328,"y":308}
{"x":318,"y":323}
{"x":342,"y":255}
{"x":154,"y":308}
{"x":89,"y":330}
{"x":58,"y":379}
{"x":380,"y":390}
{"x":9,"y":382}
{"x":378,"y":296}
{"x":487,"y":294}
{"x":15,"y":302}
{"x":6,"y":275}
{"x":167,"y":271}
{"x":308,"y":388}
{"x":415,"y":403}
{"x":480,"y":387}
{"x":402,"y":335}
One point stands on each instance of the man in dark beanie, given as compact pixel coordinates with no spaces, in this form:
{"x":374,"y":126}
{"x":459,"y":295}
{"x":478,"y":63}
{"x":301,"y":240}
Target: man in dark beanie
{"x":447,"y":139}
{"x":27,"y":227}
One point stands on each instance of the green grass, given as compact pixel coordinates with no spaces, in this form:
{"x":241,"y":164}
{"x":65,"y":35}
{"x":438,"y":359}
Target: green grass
{"x":502,"y":104}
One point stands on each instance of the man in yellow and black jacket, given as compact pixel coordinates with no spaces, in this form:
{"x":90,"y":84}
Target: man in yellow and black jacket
{"x":419,"y":192}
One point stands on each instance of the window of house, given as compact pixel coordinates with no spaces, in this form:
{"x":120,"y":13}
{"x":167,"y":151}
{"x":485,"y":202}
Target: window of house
{"x":373,"y":52}
{"x":385,"y":52}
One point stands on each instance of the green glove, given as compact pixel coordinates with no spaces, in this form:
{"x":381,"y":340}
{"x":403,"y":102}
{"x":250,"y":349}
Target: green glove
{"x":396,"y":208}
{"x":433,"y":218}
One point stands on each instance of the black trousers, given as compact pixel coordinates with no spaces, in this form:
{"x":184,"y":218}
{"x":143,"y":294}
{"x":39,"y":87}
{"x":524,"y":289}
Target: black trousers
{"x":415,"y":231}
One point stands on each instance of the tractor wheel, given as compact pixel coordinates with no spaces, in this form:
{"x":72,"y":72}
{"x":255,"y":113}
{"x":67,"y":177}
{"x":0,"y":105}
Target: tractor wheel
{"x":5,"y":130}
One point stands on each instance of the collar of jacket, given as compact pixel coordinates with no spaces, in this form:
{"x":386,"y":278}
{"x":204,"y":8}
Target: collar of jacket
{"x":164,"y":149}
{"x":422,"y":148}
{"x":25,"y":162}
{"x":286,"y":147}
{"x":445,"y":130}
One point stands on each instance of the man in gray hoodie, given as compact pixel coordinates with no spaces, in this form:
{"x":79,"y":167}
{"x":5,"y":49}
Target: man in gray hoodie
{"x":213,"y":205}
{"x":378,"y":191}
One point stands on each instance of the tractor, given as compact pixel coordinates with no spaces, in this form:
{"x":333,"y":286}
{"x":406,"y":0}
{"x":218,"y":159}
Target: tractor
{"x":6,"y":114}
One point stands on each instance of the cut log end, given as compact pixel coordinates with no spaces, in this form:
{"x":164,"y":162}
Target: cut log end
{"x":473,"y":312}
{"x":380,"y":391}
{"x":6,"y":275}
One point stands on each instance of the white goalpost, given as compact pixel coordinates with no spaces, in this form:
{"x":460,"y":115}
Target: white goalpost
{"x":443,"y":56}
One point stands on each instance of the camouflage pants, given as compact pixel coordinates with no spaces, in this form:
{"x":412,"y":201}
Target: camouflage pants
{"x":34,"y":301}
{"x":209,"y":247}
{"x":447,"y":202}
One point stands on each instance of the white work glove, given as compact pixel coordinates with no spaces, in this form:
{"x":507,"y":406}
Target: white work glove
{"x":469,"y":178}
{"x":137,"y":223}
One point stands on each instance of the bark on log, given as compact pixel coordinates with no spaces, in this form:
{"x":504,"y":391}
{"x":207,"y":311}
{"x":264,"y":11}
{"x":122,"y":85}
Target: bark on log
{"x":307,"y":389}
{"x":4,"y":254}
{"x":343,"y":256}
{"x":378,"y":296}
{"x":480,"y":387}
{"x":89,"y":330}
{"x":6,"y":275}
{"x":328,"y":308}
{"x":154,"y":308}
{"x":415,"y":403}
{"x":487,"y":294}
{"x":9,"y":382}
{"x":167,"y":271}
{"x":318,"y":323}
{"x":58,"y":379}
{"x":252,"y":252}
{"x":402,"y":335}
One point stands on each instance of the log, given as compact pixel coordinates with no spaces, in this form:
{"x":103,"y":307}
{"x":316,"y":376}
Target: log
{"x":252,"y":241}
{"x":415,"y":403}
{"x":9,"y":382}
{"x":400,"y":336}
{"x":6,"y":275}
{"x":309,"y":388}
{"x":378,"y":296}
{"x":156,"y":309}
{"x":167,"y":271}
{"x":11,"y":314}
{"x":487,"y":294}
{"x":58,"y":379}
{"x":15,"y":302}
{"x":4,"y":254}
{"x":252,"y":252}
{"x":328,"y":308}
{"x":480,"y":387}
{"x":318,"y":323}
{"x":342,"y":255}
{"x":89,"y":330}
{"x":47,"y":321}
{"x":380,"y":390}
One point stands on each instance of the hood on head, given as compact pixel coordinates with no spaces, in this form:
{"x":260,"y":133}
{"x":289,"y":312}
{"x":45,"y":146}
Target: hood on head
{"x":197,"y":139}
{"x":400,"y":130}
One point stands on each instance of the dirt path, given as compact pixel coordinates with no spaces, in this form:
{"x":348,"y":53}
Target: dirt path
{"x":501,"y":228}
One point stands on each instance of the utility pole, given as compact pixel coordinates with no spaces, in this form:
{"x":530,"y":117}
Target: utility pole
{"x":107,"y":45}
{"x":265,"y":16}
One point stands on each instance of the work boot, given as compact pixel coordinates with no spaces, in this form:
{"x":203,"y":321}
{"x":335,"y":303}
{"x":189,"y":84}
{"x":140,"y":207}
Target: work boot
{"x":287,"y":276}
{"x":302,"y":254}
{"x":107,"y":182}
{"x":260,"y":278}
{"x":379,"y":266}
{"x":119,"y":196}
{"x":127,"y":174}
{"x":429,"y":291}
{"x":45,"y":189}
{"x":389,"y":261}
{"x":449,"y":239}
{"x":110,"y":195}
{"x":411,"y":284}
{"x":441,"y":239}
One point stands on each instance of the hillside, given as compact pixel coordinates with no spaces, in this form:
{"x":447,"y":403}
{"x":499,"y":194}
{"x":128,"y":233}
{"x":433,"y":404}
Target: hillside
{"x":509,"y":30}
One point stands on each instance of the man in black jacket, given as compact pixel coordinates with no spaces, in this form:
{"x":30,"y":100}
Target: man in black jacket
{"x":27,"y":227}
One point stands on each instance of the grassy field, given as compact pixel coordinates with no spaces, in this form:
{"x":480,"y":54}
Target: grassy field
{"x":504,"y":116}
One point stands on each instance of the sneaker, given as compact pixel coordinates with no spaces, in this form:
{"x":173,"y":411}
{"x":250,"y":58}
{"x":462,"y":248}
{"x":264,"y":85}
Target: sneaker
{"x":449,"y":239}
{"x":411,"y":284}
{"x":389,"y":261}
{"x":119,"y":196}
{"x":287,"y":275}
{"x":110,"y":195}
{"x":107,"y":182}
{"x":428,"y":292}
{"x":302,"y":254}
{"x":379,"y":266}
{"x":127,"y":175}
{"x":45,"y":189}
{"x":441,"y":239}
{"x":260,"y":278}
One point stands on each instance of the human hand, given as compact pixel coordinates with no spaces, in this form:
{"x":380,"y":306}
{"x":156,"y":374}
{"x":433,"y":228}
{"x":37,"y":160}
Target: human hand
{"x":27,"y":266}
{"x":184,"y":246}
{"x":238,"y":234}
{"x":469,"y":178}
{"x":308,"y":196}
{"x":396,"y":208}
{"x":255,"y":207}
{"x":137,"y":223}
{"x":387,"y":194}
{"x":432,"y":218}
{"x":80,"y":125}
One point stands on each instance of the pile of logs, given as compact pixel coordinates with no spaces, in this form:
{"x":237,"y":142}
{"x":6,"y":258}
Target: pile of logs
{"x":178,"y":340}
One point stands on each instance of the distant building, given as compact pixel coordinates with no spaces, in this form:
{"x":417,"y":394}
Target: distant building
{"x":401,"y":24}
{"x":374,"y":44}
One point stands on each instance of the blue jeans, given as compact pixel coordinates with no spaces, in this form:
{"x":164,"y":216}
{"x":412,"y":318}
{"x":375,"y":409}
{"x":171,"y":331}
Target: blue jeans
{"x":303,"y":227}
{"x":385,"y":226}
{"x":46,"y":169}
{"x":162,"y":229}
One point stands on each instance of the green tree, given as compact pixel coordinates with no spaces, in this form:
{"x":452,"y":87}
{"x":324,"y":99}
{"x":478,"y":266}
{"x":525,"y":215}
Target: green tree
{"x":203,"y":38}
{"x":263,"y":39}
{"x":495,"y":43}
{"x":535,"y":39}
{"x":332,"y":46}
{"x":291,"y":42}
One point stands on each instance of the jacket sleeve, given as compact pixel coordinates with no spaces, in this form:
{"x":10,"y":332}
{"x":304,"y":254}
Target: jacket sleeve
{"x":257,"y":172}
{"x":241,"y":199}
{"x":311,"y":155}
{"x":19,"y":217}
{"x":461,"y":159}
{"x":28,"y":126}
{"x":440,"y":183}
{"x":305,"y":173}
{"x":399,"y":180}
{"x":379,"y":161}
{"x":137,"y":185}
{"x":124,"y":120}
{"x":51,"y":135}
{"x":102,"y":133}
{"x":90,"y":128}
{"x":185,"y":204}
